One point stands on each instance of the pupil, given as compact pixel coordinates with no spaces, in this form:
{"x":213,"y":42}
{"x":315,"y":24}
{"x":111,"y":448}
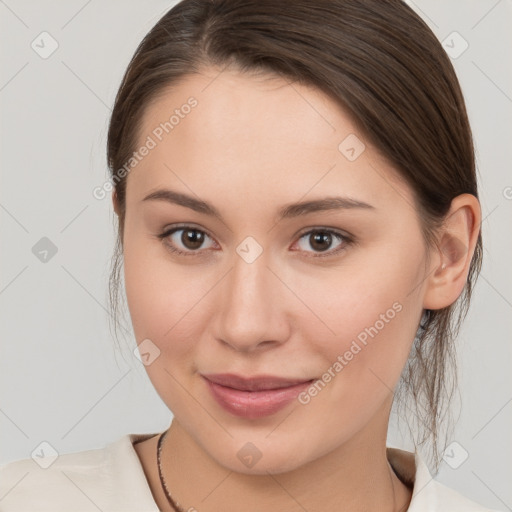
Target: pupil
{"x":192,"y":239}
{"x":319,"y":239}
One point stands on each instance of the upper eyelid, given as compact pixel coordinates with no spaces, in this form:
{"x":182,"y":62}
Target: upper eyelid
{"x":301,"y":233}
{"x":336,"y":231}
{"x":171,"y":229}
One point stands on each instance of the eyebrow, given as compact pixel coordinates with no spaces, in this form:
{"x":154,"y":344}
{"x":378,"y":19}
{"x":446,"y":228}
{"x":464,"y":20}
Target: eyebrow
{"x":286,"y":212}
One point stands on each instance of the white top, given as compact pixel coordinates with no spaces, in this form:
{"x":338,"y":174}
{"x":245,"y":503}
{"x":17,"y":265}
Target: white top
{"x":112,"y":479}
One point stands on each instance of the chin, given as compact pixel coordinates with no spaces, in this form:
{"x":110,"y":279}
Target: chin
{"x":263,"y":456}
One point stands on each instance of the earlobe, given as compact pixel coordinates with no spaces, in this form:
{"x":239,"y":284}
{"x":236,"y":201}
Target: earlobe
{"x":456,"y":244}
{"x":115,"y":202}
{"x":120,"y":218}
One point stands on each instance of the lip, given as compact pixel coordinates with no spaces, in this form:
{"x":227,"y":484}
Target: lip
{"x":254,"y":397}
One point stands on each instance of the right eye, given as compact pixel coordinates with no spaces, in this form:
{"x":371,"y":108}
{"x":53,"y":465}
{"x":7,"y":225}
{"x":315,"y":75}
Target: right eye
{"x":184,"y":240}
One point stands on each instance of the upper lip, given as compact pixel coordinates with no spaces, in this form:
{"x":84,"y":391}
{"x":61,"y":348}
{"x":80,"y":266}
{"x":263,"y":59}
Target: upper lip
{"x":255,"y":383}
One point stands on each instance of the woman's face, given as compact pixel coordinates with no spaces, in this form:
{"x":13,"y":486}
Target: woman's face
{"x":330,"y":291}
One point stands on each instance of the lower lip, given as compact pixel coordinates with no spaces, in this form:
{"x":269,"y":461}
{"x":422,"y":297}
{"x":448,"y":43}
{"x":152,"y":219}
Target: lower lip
{"x":255,"y":404}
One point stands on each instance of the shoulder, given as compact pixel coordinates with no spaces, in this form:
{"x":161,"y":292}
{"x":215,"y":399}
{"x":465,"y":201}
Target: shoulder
{"x":440,"y":497}
{"x":447,"y":499}
{"x":107,"y":479}
{"x":428,"y":494}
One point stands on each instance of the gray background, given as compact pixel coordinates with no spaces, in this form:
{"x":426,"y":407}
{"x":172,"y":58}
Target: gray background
{"x":62,"y":380}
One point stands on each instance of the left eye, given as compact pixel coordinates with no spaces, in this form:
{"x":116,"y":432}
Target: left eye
{"x":321,"y":240}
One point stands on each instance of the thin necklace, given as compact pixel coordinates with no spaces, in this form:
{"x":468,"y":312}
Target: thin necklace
{"x":175,"y":505}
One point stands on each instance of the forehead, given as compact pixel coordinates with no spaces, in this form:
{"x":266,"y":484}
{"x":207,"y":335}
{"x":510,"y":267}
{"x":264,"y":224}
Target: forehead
{"x":266,"y":105}
{"x":253,"y":132}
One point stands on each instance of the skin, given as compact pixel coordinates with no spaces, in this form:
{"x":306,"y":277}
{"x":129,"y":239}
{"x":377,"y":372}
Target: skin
{"x":252,"y":145}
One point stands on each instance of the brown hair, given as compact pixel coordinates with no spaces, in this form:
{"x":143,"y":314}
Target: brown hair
{"x":378,"y":60}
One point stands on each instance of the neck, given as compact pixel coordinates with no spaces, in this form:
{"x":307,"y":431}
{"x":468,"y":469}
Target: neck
{"x":356,"y":476}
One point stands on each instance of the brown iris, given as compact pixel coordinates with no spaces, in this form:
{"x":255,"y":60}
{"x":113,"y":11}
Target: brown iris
{"x":192,"y":238}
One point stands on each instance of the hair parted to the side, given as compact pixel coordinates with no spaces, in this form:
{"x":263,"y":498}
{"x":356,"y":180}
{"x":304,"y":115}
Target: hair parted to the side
{"x":378,"y":60}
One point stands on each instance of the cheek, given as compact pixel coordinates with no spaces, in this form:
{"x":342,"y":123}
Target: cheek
{"x":374,"y":328}
{"x":368,"y":316}
{"x":164,"y":299}
{"x":163,"y":302}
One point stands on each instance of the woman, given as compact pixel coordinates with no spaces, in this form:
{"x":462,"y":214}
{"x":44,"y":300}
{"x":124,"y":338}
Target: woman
{"x":300,"y":230}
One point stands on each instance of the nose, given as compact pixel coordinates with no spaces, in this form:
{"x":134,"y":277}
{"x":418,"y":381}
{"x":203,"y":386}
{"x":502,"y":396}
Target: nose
{"x":252,"y":307}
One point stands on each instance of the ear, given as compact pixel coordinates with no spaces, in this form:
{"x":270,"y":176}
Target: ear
{"x":456,"y":242}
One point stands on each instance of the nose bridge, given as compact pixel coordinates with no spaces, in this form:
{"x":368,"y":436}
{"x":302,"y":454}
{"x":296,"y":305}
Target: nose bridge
{"x":251,"y":312}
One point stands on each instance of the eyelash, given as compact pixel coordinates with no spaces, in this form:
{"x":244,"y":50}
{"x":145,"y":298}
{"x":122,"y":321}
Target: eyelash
{"x":344,"y":238}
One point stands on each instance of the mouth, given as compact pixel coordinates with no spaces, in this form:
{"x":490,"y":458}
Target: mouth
{"x":254,"y":397}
